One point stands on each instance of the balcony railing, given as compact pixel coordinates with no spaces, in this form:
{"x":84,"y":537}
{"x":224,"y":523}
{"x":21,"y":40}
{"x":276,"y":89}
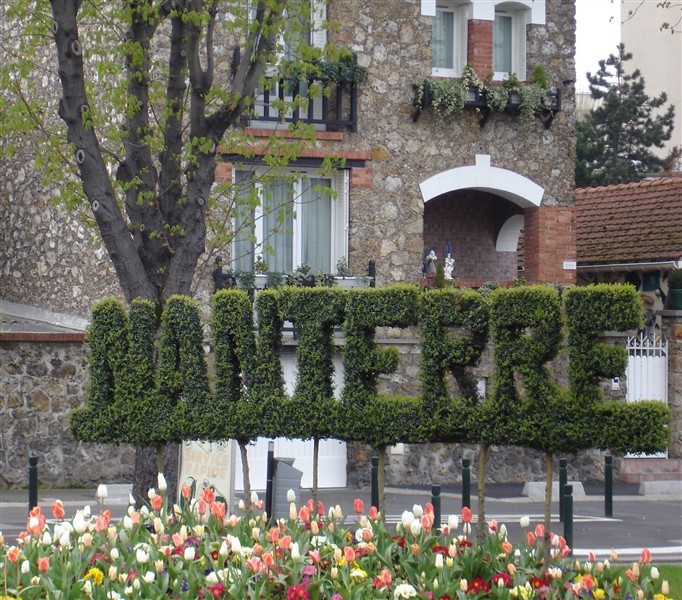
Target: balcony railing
{"x":334,"y":105}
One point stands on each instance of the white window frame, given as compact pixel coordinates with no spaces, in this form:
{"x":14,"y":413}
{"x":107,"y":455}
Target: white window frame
{"x":460,"y":35}
{"x":519,"y":19}
{"x":526,"y":12}
{"x":338,"y":234}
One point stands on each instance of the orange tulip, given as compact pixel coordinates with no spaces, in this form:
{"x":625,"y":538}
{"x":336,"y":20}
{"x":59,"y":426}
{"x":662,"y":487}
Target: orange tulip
{"x":358,"y":506}
{"x":43,"y":564}
{"x":349,"y":554}
{"x":13,"y":554}
{"x":467,"y":515}
{"x":208,"y":496}
{"x":58,"y":510}
{"x":646,"y":556}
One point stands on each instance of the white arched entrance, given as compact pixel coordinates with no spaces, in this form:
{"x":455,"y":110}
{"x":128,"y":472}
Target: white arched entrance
{"x":483,"y":177}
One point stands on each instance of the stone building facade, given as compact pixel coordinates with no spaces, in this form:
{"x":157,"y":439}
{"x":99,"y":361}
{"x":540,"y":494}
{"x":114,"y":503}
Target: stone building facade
{"x":411,"y":185}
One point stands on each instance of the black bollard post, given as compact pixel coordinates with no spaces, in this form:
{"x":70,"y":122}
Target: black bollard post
{"x":269,"y":479}
{"x":375,"y":482}
{"x":608,"y":487}
{"x":568,"y":516}
{"x":435,"y":501}
{"x":563,"y":479}
{"x":466,"y":483}
{"x":372,"y":273}
{"x":32,"y":482}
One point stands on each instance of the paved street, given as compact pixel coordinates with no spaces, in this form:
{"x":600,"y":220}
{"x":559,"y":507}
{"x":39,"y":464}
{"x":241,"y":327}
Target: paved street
{"x":638,"y":522}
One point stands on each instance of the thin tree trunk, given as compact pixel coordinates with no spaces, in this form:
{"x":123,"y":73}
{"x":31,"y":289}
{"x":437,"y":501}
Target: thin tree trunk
{"x":159,"y":459}
{"x":316,"y":464}
{"x":482,"y":468}
{"x":381,"y":452}
{"x":245,"y":471}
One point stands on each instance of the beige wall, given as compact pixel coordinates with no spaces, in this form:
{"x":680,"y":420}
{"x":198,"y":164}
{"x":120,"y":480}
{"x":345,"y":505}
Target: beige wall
{"x":657,"y":54}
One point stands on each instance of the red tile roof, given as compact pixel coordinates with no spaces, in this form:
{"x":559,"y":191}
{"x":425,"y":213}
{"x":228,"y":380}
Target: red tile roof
{"x":629,"y":223}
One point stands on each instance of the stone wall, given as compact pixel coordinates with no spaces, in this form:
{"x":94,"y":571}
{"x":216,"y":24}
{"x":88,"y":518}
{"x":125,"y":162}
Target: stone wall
{"x":41,"y":382}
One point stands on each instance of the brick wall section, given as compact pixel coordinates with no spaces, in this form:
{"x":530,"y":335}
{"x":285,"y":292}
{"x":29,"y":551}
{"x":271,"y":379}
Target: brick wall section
{"x":480,"y":47}
{"x":360,"y":178}
{"x":471,"y":221}
{"x":549,"y":240}
{"x":672,"y":330}
{"x":223,"y":172}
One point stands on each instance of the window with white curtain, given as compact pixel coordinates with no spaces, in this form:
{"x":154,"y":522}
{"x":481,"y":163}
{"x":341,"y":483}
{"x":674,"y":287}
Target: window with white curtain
{"x":297,"y":218}
{"x":509,"y":41}
{"x":448,"y":39}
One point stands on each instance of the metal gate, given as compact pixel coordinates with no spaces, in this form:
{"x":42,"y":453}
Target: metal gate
{"x":647,"y":370}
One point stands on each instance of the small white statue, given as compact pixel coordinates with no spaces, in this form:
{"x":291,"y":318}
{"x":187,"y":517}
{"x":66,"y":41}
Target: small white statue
{"x":449,"y":267}
{"x":431,"y":261}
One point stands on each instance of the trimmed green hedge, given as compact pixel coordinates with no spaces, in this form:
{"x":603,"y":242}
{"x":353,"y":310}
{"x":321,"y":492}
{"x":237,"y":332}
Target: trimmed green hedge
{"x":129,"y":400}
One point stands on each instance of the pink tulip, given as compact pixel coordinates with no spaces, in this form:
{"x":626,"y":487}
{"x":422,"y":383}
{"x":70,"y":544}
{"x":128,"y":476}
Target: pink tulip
{"x":358,"y":506}
{"x":646,"y":556}
{"x":467,"y":515}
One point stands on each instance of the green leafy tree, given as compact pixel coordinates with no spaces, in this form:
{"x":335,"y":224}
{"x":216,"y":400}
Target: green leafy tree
{"x":148,"y":91}
{"x":615,"y":140}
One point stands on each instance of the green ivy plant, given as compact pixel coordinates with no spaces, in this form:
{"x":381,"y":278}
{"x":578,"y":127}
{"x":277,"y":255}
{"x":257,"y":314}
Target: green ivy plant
{"x":447,"y":97}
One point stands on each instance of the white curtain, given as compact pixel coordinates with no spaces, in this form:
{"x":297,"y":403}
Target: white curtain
{"x":442,"y":40}
{"x":316,"y":226}
{"x":242,"y":245}
{"x":278,"y":225}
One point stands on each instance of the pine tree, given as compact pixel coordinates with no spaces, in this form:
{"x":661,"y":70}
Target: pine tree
{"x":615,"y":139}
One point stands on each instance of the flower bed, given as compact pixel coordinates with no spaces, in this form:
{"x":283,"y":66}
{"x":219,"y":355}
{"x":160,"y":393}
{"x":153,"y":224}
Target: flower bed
{"x":201,"y":551}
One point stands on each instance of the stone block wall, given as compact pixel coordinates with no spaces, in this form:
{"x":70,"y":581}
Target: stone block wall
{"x":43,"y":378}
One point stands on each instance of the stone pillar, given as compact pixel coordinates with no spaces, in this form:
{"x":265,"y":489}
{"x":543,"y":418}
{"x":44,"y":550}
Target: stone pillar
{"x":672,"y":330}
{"x":549,"y":245}
{"x":480,"y":46}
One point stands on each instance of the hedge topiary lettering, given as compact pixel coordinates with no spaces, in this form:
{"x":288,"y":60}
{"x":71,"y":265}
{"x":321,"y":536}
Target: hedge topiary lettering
{"x":526,"y":407}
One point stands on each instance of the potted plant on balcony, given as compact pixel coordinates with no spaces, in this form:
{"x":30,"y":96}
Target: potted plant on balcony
{"x":260,"y":268}
{"x":675,"y":289}
{"x":344,"y":278}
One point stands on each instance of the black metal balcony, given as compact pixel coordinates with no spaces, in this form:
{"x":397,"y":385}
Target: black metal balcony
{"x":333,"y":106}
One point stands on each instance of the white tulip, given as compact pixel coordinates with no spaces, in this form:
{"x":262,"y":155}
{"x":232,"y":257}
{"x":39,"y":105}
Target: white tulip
{"x":151,"y":494}
{"x":102,"y":492}
{"x":149,"y":577}
{"x":654,"y":573}
{"x":86,"y":510}
{"x":141,"y":556}
{"x":439,"y":561}
{"x":407,"y":519}
{"x":161,"y":481}
{"x":114,"y":554}
{"x":131,"y":500}
{"x":295,"y":552}
{"x":25,"y":567}
{"x":453,"y":522}
{"x":79,"y":525}
{"x":254,"y":497}
{"x":291,"y":496}
{"x":416,"y":527}
{"x":418,"y":511}
{"x":524,"y":522}
{"x":189,"y":553}
{"x":127,"y":522}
